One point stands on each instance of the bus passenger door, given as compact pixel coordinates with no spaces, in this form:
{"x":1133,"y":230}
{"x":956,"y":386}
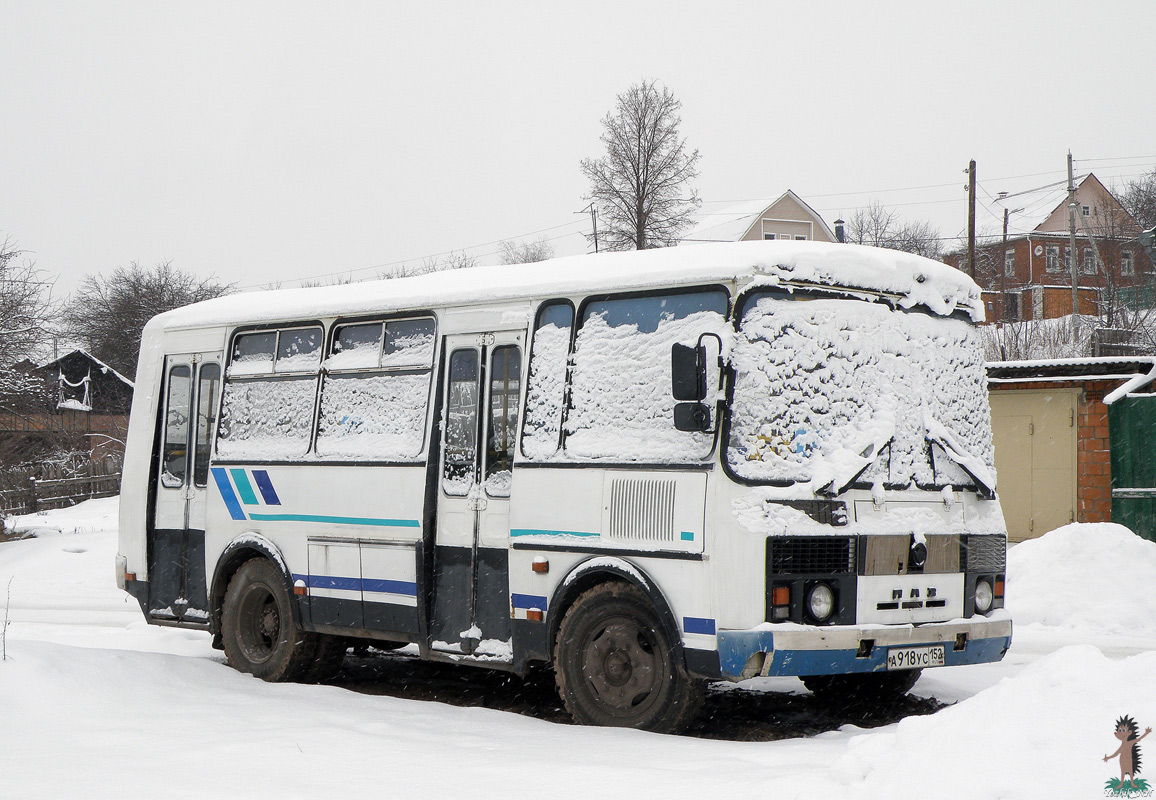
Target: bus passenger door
{"x":482,"y":384}
{"x":177,"y":584}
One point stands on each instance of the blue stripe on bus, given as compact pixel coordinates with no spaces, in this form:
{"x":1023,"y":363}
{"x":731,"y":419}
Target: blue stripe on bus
{"x":698,"y":625}
{"x":227,"y":493}
{"x":268,"y":493}
{"x":528,"y":601}
{"x":358,"y":584}
{"x":381,"y":523}
{"x":244,"y":488}
{"x":392,"y":587}
{"x":536,"y":532}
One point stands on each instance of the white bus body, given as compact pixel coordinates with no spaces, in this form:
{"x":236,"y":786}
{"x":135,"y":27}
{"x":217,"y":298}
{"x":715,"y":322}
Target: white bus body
{"x":647,"y":469}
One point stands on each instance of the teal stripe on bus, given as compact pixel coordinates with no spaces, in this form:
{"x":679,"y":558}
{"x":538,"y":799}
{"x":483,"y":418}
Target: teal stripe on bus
{"x":535,"y":532}
{"x":244,"y":488}
{"x":380,"y":523}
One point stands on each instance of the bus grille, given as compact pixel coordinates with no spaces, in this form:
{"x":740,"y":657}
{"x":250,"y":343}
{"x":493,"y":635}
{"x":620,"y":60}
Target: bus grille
{"x":642,"y":508}
{"x":811,"y":555}
{"x":986,"y":553}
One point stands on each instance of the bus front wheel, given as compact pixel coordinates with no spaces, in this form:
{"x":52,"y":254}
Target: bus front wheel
{"x":616,"y":666}
{"x":257,"y":627}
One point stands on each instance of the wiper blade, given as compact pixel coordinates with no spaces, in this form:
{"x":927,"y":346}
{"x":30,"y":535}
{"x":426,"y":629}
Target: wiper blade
{"x":977,"y":470}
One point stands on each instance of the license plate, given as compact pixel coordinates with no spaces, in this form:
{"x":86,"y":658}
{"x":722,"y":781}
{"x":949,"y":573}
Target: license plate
{"x":915,"y":657}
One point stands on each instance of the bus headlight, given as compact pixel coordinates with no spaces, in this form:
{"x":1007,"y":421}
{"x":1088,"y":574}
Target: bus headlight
{"x":821,"y":601}
{"x":983,"y":596}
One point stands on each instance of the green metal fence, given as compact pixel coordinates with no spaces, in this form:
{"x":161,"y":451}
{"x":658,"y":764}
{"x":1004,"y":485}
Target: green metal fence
{"x":1132,"y":437}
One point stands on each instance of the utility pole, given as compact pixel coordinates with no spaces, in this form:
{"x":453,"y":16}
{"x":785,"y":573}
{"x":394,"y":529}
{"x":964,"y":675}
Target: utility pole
{"x":971,"y":219}
{"x":1003,"y":274}
{"x":1072,"y":247}
{"x":593,"y":221}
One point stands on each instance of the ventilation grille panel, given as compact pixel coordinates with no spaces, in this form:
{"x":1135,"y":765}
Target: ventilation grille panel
{"x":986,"y":553}
{"x":642,"y":509}
{"x":811,"y":555}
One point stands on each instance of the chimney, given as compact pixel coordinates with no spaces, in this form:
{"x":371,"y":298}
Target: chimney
{"x":839,"y":230}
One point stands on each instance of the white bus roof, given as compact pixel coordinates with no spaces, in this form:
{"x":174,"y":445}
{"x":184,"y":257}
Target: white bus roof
{"x":919,"y":281}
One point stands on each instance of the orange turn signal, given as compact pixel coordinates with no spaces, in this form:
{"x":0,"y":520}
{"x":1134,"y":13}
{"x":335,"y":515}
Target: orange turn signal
{"x":540,"y":565}
{"x":130,"y":576}
{"x":998,"y":591}
{"x":535,"y":615}
{"x":781,"y":596}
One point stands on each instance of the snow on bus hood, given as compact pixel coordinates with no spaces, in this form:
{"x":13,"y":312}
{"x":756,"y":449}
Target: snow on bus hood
{"x":916,"y":280}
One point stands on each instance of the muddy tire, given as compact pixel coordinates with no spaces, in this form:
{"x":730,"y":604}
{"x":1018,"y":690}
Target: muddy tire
{"x":616,"y":666}
{"x":869,"y":687}
{"x":257,"y":628}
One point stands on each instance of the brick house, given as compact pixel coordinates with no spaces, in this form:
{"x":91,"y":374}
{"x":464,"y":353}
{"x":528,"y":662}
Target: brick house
{"x":1052,"y":443}
{"x":1029,"y":276}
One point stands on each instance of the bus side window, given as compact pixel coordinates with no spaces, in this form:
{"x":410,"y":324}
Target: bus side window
{"x":546,"y":389}
{"x":208,"y":385}
{"x":505,"y":373}
{"x":461,"y":423}
{"x":174,"y":453}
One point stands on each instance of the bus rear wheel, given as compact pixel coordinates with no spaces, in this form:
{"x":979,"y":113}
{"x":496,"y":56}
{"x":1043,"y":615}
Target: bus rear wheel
{"x":257,"y":628}
{"x":616,"y":666}
{"x":865,"y":687}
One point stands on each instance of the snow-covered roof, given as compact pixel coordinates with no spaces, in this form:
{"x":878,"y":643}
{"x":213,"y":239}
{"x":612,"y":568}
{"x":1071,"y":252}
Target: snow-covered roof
{"x":104,"y":367}
{"x":731,"y":223}
{"x":1105,"y":367}
{"x":919,"y":281}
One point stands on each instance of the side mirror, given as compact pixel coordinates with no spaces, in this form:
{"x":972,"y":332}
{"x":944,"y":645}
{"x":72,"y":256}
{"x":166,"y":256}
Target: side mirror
{"x":688,"y":373}
{"x":694,"y":417}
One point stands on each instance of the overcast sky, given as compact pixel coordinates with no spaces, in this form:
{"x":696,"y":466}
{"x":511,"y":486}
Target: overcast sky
{"x":275,"y":141}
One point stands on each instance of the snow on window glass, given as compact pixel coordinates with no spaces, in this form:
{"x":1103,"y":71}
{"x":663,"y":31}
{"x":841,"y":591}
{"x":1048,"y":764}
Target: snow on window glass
{"x":298,"y":349}
{"x":378,"y":416}
{"x":833,"y":390}
{"x":621,"y":404}
{"x":545,"y":393}
{"x":505,"y":374}
{"x":263,"y":419}
{"x":253,"y":353}
{"x":175,"y":451}
{"x":408,"y":343}
{"x":356,"y":346}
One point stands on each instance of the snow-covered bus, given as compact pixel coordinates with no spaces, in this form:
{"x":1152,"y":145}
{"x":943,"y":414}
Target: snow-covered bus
{"x":649,"y":470}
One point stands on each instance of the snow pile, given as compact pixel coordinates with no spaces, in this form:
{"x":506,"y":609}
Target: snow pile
{"x":826,"y":388}
{"x":1096,"y":577}
{"x":1041,"y":734}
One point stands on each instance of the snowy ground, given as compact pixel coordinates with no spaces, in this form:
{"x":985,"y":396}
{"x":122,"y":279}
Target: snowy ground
{"x":94,"y":703}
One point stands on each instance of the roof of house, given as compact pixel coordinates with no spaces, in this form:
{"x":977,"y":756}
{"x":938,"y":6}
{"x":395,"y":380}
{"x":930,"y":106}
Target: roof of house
{"x":732,"y":223}
{"x":105,"y":368}
{"x":1071,"y":368}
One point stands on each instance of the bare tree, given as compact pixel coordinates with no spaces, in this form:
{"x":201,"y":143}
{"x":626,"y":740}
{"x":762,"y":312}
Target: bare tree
{"x":26,"y":306}
{"x":525,"y":252}
{"x":641,"y":186}
{"x":879,"y":226}
{"x":107,"y":314}
{"x":1139,"y":199}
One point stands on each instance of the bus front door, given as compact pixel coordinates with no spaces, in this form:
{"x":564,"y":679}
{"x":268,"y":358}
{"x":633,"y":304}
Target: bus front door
{"x":177,"y":586}
{"x":482,"y":385}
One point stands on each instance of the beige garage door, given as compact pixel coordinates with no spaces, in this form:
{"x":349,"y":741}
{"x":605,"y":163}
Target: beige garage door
{"x":1035,"y":458}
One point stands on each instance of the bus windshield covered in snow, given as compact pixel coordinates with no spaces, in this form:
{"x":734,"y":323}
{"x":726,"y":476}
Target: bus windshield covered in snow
{"x":647,"y":470}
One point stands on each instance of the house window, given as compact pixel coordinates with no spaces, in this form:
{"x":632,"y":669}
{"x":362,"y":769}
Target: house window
{"x":1127,"y":265}
{"x":768,"y":236}
{"x":1009,"y":263}
{"x":1089,"y":261}
{"x":1086,"y":211}
{"x":1052,"y":259}
{"x":799,"y":238}
{"x":1012,"y":308}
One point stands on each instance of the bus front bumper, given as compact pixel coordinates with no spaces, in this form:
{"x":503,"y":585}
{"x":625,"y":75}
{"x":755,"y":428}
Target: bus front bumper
{"x":837,"y":650}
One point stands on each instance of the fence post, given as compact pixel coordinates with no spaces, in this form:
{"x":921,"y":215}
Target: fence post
{"x":32,"y":503}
